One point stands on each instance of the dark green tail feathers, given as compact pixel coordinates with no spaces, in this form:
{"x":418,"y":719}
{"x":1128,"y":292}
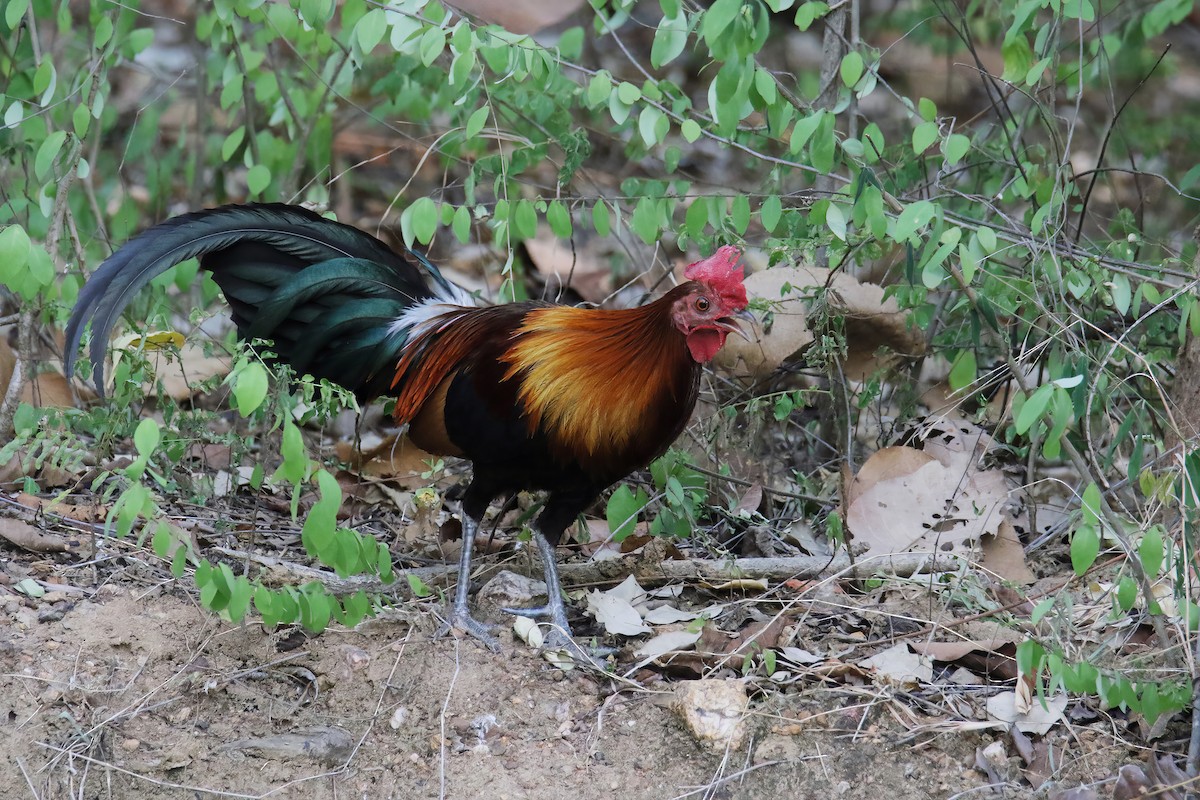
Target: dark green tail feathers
{"x":326,"y":293}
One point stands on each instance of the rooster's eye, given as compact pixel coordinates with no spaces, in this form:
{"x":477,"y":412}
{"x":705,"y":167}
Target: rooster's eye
{"x":702,"y":304}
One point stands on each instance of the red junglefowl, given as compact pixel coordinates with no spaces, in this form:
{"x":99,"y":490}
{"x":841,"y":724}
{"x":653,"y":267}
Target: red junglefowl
{"x":537,"y":396}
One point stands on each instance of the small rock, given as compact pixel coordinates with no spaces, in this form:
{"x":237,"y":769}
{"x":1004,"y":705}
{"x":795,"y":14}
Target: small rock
{"x":714,"y":711}
{"x":399,"y":717}
{"x":356,"y":658}
{"x":129,"y":745}
{"x":49,"y":613}
{"x":507,"y":590}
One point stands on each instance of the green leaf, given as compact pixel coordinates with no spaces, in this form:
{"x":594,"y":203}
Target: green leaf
{"x":923,"y":136}
{"x":987,"y":239}
{"x":424,"y":219}
{"x":598,"y":90}
{"x":622,"y":511}
{"x":696,"y":218}
{"x":14,"y":11}
{"x":316,"y":12}
{"x":81,"y":121}
{"x":645,"y":220}
{"x":524,"y":220}
{"x":1061,"y":413}
{"x":258,"y":178}
{"x":1126,"y":593}
{"x":1085,"y":546}
{"x":914,"y":217}
{"x":1090,"y":507}
{"x":600,"y":218}
{"x":232,"y":142}
{"x":570,"y":43}
{"x":47,"y":154}
{"x":476,"y":121}
{"x":559,"y":220}
{"x":927,"y":109}
{"x":250,"y":388}
{"x":764,"y":84}
{"x":852,"y":68}
{"x":719,"y":17}
{"x":824,"y":146}
{"x":104,"y":32}
{"x":670,"y":39}
{"x":963,"y":371}
{"x":295,"y":459}
{"x":1033,"y":408}
{"x":690,"y":130}
{"x":1035,"y":72}
{"x":740,"y":213}
{"x":1150,"y":551}
{"x":320,"y":527}
{"x":146,"y":437}
{"x":461,"y":224}
{"x":370,"y":29}
{"x":770,"y":212}
{"x":803,"y":130}
{"x":627,"y":93}
{"x":835,"y":220}
{"x":417,"y":586}
{"x":14,"y":115}
{"x":15,"y":248}
{"x":648,"y":122}
{"x":955,"y":147}
{"x":433,"y":41}
{"x":44,"y":79}
{"x":808,"y":13}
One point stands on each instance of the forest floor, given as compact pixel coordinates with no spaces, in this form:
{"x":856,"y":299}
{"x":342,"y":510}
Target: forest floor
{"x":116,"y":684}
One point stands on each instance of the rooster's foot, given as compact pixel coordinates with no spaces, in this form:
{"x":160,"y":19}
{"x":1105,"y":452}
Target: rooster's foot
{"x":559,"y":636}
{"x":461,"y":619}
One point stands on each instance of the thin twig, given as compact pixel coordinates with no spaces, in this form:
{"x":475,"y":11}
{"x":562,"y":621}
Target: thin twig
{"x":442,"y":742}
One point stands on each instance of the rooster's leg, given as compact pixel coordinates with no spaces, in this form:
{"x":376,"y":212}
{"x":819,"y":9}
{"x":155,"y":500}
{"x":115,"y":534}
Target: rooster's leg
{"x":555,"y":612}
{"x":460,"y":612}
{"x":559,"y":636}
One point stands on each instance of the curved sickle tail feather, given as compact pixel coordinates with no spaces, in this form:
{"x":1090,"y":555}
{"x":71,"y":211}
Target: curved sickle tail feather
{"x":328,"y":294}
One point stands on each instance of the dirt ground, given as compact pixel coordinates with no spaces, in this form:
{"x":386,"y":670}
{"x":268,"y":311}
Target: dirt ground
{"x":140,"y":694}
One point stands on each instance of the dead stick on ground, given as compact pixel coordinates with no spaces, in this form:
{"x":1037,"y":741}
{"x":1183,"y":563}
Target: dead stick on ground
{"x":647,"y":572}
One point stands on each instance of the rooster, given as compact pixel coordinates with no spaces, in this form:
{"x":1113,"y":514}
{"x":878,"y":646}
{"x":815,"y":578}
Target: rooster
{"x":537,"y":396}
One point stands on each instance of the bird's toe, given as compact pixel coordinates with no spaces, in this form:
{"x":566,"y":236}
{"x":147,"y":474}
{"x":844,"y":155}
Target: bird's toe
{"x":472,"y":627}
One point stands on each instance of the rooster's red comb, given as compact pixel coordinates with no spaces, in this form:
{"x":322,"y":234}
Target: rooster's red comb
{"x":721,"y":273}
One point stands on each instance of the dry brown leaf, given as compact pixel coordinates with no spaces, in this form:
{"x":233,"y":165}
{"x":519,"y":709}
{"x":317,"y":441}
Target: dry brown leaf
{"x":898,"y":666}
{"x":48,"y":476}
{"x":906,"y":499}
{"x":48,"y":389}
{"x":871,"y":322}
{"x":953,"y":651}
{"x":1038,"y":719}
{"x":750,"y":501}
{"x":518,"y":16}
{"x":562,"y":265}
{"x":23,"y":535}
{"x":183,"y":371}
{"x":92,"y":512}
{"x":403,"y":464}
{"x":789,"y":332}
{"x":1004,"y":556}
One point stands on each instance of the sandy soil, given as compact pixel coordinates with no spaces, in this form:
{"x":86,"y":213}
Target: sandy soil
{"x":140,"y":694}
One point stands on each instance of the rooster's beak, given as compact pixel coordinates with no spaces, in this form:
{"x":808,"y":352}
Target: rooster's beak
{"x":735,"y":325}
